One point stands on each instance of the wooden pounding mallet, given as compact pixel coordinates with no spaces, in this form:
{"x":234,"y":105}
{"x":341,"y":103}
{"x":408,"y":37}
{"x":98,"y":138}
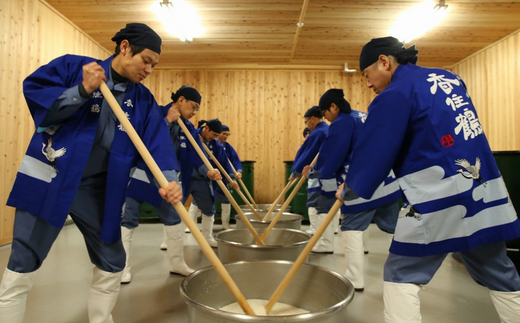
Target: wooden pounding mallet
{"x":241,"y":182}
{"x":159,"y":176}
{"x":220,"y":183}
{"x":223,"y":171}
{"x":285,"y":189}
{"x":303,"y":255}
{"x":289,"y":199}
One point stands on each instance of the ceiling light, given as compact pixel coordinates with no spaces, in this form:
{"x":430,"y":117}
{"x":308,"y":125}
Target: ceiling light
{"x":180,"y":19}
{"x":418,"y":20}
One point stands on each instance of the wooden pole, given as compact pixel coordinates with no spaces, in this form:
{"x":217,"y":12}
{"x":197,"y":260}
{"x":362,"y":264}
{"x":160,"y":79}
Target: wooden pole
{"x":303,"y":256}
{"x":289,"y":199}
{"x":163,"y":182}
{"x":285,"y":189}
{"x":223,"y":171}
{"x":243,"y":185}
{"x":220,"y":183}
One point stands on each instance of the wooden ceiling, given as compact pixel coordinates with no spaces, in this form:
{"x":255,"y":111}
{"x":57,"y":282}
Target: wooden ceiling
{"x":258,"y":34}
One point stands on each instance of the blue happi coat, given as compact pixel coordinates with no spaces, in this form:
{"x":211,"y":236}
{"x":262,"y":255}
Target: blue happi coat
{"x":143,"y":186}
{"x":220,"y":154}
{"x":46,"y":187}
{"x":305,"y":155}
{"x":424,"y":126}
{"x":232,"y":156}
{"x":191,"y":163}
{"x":387,"y":191}
{"x":334,"y":162}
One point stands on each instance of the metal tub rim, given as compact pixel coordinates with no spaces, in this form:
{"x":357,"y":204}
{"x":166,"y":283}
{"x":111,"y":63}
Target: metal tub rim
{"x":265,"y":205}
{"x":288,"y":217}
{"x":261,"y":318}
{"x":240,"y":244}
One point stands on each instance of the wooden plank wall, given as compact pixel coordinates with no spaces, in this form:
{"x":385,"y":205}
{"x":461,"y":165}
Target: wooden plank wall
{"x":31,"y":35}
{"x":492,"y":77}
{"x":264,"y":110}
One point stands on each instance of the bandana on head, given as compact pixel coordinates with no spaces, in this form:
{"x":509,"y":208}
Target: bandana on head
{"x":188,"y":92}
{"x":213,"y":124}
{"x":313,"y":112}
{"x":225,"y":128}
{"x":139,"y":35}
{"x":386,"y":46}
{"x":335,"y":96}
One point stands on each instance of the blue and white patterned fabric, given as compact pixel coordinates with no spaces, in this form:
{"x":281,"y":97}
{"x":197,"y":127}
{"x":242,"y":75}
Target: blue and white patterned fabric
{"x":62,"y":154}
{"x":424,"y":126}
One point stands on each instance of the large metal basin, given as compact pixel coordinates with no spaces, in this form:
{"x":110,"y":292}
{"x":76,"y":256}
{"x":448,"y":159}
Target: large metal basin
{"x":322,"y":292}
{"x":280,"y":244}
{"x":287,"y":220}
{"x":265,"y":207}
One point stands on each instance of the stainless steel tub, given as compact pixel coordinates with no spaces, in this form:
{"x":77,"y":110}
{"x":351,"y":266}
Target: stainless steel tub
{"x":280,"y":244}
{"x":286,"y":220}
{"x":322,"y":292}
{"x":265,"y":207}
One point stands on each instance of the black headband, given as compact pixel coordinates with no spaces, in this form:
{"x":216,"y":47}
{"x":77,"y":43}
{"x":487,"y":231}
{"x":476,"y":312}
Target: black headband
{"x":386,"y":46}
{"x":139,"y":35}
{"x":335,"y":96}
{"x":188,"y":92}
{"x":214,"y":125}
{"x":313,"y":112}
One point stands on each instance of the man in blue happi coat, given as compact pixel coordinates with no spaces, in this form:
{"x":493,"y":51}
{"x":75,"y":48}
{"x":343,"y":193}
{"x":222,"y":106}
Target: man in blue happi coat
{"x":383,"y":207}
{"x":425,"y":125}
{"x":329,"y":168}
{"x":79,"y":162}
{"x":185,"y":102}
{"x":232,"y":157}
{"x":305,"y":155}
{"x":203,"y":190}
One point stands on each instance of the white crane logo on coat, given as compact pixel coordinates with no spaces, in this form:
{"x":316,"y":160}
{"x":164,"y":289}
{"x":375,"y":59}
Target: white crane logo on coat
{"x":51,"y":154}
{"x":471,"y":171}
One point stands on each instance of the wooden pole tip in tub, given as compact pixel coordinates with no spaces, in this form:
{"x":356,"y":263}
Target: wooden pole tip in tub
{"x":289,"y":199}
{"x":273,"y":205}
{"x":301,"y":258}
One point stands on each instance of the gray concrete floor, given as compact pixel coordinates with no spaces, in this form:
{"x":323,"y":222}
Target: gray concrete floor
{"x":61,"y":285}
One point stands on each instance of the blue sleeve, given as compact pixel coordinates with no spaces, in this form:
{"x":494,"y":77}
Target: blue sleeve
{"x":65,"y":106}
{"x":173,"y":128}
{"x":333,"y":155}
{"x":307,"y":152}
{"x":156,"y":136}
{"x":193,"y":156}
{"x":165,"y":108}
{"x":223,"y":160}
{"x":50,"y":82}
{"x":380,"y":142}
{"x":294,"y":172}
{"x":233,"y":157}
{"x":335,"y":148}
{"x":164,"y":111}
